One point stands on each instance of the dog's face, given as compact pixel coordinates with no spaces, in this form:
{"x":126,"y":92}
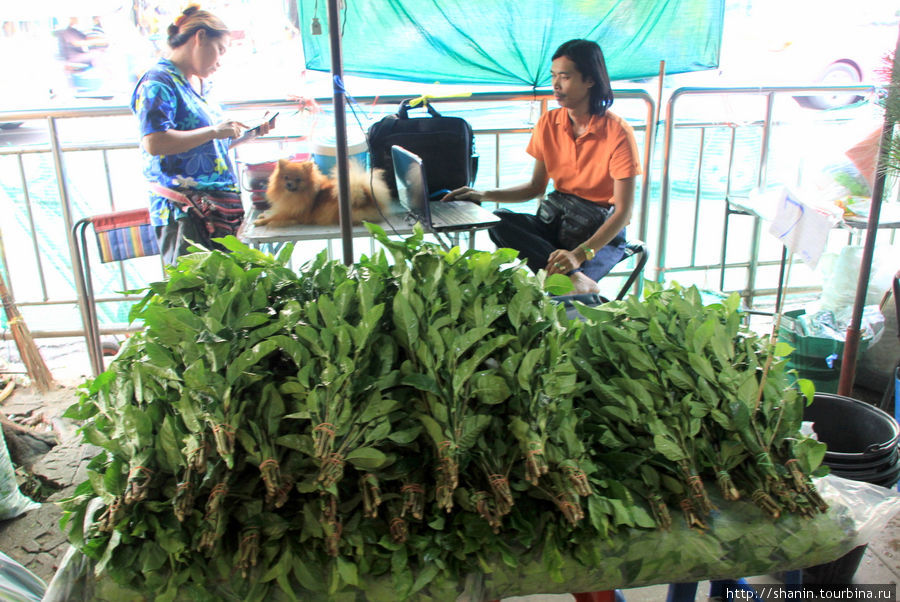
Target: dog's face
{"x":291,"y":178}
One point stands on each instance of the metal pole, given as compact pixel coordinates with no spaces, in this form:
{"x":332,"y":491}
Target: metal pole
{"x":340,"y":130}
{"x":95,"y":354}
{"x":760,"y":185}
{"x":851,"y":345}
{"x":697,"y":194}
{"x":727,"y":207}
{"x":664,"y":187}
{"x":649,"y":142}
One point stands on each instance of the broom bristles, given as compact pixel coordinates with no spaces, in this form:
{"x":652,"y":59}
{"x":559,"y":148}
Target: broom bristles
{"x":34,"y":362}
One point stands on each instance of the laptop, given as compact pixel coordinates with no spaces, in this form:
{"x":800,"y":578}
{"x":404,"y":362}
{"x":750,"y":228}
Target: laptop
{"x":435,"y":216}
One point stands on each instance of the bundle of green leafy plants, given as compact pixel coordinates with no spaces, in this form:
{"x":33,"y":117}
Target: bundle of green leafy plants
{"x":415,"y":420}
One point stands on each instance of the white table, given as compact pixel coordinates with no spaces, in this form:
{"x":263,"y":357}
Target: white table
{"x":271,"y":238}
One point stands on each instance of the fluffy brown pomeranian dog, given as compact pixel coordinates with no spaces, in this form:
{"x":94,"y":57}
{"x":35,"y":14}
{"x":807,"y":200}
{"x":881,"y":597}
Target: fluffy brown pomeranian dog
{"x":299,"y":193}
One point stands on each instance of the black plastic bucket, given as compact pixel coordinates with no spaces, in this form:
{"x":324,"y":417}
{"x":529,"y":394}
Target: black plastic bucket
{"x":857,"y":433}
{"x":886,"y":476}
{"x":862,"y":446}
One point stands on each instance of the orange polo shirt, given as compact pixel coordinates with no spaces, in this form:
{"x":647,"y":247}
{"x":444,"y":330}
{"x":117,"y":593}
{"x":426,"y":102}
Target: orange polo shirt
{"x":586,"y":166}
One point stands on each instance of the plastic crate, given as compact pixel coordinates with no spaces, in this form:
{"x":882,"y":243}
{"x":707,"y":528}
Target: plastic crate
{"x":824,"y":378}
{"x":807,"y":346}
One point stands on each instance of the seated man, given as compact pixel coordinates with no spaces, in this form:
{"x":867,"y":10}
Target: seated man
{"x":74,"y":46}
{"x":592,"y":158}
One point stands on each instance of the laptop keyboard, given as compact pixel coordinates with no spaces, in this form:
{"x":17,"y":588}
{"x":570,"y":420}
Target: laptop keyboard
{"x":450,"y":213}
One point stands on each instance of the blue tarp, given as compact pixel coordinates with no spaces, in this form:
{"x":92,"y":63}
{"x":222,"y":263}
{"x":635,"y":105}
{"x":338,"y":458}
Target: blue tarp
{"x":510,"y":43}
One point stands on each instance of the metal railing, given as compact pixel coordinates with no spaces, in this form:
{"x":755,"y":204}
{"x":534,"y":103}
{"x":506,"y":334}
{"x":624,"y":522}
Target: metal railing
{"x":647,"y":207}
{"x":764,"y":123}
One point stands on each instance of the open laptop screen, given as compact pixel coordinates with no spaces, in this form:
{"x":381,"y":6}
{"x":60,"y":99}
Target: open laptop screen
{"x":410,"y":174}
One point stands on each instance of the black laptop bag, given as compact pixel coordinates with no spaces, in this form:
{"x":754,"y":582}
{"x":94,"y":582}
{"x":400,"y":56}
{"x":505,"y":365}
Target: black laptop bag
{"x":445,"y":144}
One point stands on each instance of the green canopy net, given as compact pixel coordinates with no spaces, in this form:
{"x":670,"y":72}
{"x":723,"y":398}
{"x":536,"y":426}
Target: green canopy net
{"x":510,"y":43}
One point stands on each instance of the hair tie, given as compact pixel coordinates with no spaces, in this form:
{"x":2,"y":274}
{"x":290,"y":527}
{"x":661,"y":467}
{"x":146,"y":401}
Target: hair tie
{"x":188,"y":10}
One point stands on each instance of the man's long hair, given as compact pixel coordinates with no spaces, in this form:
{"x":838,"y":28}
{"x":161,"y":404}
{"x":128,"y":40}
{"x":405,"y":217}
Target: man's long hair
{"x":588,"y":59}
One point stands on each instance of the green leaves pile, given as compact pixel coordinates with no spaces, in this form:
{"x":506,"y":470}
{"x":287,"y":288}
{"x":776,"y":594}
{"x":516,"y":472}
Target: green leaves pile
{"x":414,"y":420}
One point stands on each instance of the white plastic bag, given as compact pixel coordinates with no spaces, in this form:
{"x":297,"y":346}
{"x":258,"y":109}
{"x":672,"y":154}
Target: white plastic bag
{"x":741,"y":541}
{"x":840,"y":275}
{"x":12,"y":501}
{"x":18,"y":584}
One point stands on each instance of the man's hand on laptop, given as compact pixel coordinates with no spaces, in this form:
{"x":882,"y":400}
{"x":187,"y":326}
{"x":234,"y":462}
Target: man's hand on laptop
{"x":465,"y":194}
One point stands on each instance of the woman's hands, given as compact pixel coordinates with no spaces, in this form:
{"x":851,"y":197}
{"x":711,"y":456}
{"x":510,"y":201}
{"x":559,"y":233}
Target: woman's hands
{"x":227,"y":129}
{"x":562,"y":261}
{"x":465,"y":193}
{"x":171,"y":142}
{"x":233,"y":129}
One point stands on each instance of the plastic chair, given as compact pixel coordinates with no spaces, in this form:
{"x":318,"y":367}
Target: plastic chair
{"x":120,"y":235}
{"x":632,"y":248}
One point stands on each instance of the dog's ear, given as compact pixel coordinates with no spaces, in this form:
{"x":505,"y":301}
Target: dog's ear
{"x":282,"y":163}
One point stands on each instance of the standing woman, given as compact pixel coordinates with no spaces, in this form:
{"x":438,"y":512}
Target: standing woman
{"x":592,"y":158}
{"x":194,"y":193}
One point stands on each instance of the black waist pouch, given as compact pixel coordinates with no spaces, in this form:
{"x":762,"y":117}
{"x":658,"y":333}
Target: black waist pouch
{"x":574,"y":218}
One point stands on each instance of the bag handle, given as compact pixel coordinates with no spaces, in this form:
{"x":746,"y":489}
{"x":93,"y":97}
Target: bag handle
{"x":403,"y":112}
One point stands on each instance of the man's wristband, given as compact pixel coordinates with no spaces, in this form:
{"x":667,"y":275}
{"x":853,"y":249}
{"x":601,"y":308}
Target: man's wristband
{"x":589,"y":253}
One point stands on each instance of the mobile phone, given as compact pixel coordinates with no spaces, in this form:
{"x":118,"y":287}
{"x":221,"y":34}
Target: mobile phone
{"x":253,"y":132}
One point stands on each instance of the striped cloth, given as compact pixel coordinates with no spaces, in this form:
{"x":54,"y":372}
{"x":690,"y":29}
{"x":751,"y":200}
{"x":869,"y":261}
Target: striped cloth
{"x":125,"y":235}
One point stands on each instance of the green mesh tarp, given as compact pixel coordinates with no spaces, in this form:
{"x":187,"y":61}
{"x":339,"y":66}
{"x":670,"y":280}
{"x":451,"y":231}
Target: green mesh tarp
{"x":501,"y":42}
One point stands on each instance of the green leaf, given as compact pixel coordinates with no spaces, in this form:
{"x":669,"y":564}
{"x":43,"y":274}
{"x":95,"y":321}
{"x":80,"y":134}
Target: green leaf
{"x":461,"y":344}
{"x":783,"y":349}
{"x":301,"y":443}
{"x":401,"y":576}
{"x":810,"y":453}
{"x":114,"y":540}
{"x":113,"y":478}
{"x":422,"y":382}
{"x":405,"y":436}
{"x":558,"y":284}
{"x":171,"y":445}
{"x":703,"y":334}
{"x":703,"y":366}
{"x":382,"y":407}
{"x":366,"y":458}
{"x":252,"y":320}
{"x":680,"y":379}
{"x":621,"y":515}
{"x":405,"y":320}
{"x":525,"y":374}
{"x":668,"y":448}
{"x":552,"y":558}
{"x":489,"y":388}
{"x":473,"y":426}
{"x":520,"y":307}
{"x":807,"y":388}
{"x":432,"y":428}
{"x":153,"y":557}
{"x":425,"y":576}
{"x":642,"y":518}
{"x":249,"y":358}
{"x":347,"y":571}
{"x":309,"y":581}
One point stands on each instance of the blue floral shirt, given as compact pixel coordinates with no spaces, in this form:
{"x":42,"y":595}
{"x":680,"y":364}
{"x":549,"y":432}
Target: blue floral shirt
{"x":164,"y":100}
